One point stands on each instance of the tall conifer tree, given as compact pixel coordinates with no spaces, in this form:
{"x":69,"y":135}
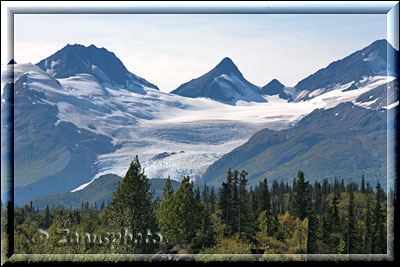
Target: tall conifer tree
{"x":131,"y":207}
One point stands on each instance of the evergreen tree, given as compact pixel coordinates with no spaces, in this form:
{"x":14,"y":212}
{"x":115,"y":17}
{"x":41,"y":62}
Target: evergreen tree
{"x":300,"y":201}
{"x":342,"y":187}
{"x":369,"y":228}
{"x":317,"y":196}
{"x":197,"y":197}
{"x":205,"y":236}
{"x":336,"y":188}
{"x":351,"y":224}
{"x":331,"y":228}
{"x":45,"y":223}
{"x":168,"y":189}
{"x":254,"y":202}
{"x":165,"y":213}
{"x":362,"y":184}
{"x":205,"y":197}
{"x":282,"y":197}
{"x":336,"y":226}
{"x":253,"y":211}
{"x":188,"y":211}
{"x":225,"y":200}
{"x":312,"y":232}
{"x":212,"y":199}
{"x":243,"y":201}
{"x":234,"y":223}
{"x":379,"y":238}
{"x":369,"y":189}
{"x":265,"y":202}
{"x":131,"y":207}
{"x":325,"y":187}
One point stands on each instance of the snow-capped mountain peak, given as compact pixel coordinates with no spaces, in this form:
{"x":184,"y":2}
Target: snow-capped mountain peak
{"x":377,"y":59}
{"x":275,"y":87}
{"x":226,"y":66}
{"x":99,"y":62}
{"x":224,"y":83}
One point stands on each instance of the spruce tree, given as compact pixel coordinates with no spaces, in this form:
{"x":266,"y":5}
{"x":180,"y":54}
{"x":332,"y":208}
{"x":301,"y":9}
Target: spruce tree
{"x":379,"y":245}
{"x":45,"y":218}
{"x":369,"y":188}
{"x":369,"y":228}
{"x":336,"y":188}
{"x":362,"y":184}
{"x":225,"y":201}
{"x":342,"y":187}
{"x":282,"y":198}
{"x":243,"y":210}
{"x":336,"y":226}
{"x":205,"y":235}
{"x":300,"y":200}
{"x":234,"y":222}
{"x":165,"y":213}
{"x":351,"y":224}
{"x":254,"y":202}
{"x":312,"y":232}
{"x":265,"y":202}
{"x":205,"y":197}
{"x":325,"y":187}
{"x":131,"y":209}
{"x":168,"y":190}
{"x":188,"y":211}
{"x":331,"y":228}
{"x":212,"y":200}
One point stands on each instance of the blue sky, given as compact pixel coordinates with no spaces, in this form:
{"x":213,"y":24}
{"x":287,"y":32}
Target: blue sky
{"x":171,"y":49}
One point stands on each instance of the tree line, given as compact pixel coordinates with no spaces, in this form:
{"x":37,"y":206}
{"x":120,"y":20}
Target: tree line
{"x":295,"y":217}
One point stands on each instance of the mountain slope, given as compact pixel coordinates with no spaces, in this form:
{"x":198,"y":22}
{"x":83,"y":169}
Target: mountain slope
{"x":377,"y":59}
{"x":48,"y":152}
{"x":381,"y":96}
{"x":99,"y":191}
{"x":102,"y":64}
{"x":69,"y":131}
{"x":224,"y":83}
{"x":346,"y":142}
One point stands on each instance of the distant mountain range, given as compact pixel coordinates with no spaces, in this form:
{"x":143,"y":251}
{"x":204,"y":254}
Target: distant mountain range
{"x":80,"y":114}
{"x":226,"y":83}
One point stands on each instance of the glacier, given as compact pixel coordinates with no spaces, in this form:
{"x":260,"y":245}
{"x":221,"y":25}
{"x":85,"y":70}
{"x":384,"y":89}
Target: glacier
{"x":192,"y":132}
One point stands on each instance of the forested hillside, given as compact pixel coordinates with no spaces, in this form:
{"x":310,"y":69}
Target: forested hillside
{"x":295,"y":217}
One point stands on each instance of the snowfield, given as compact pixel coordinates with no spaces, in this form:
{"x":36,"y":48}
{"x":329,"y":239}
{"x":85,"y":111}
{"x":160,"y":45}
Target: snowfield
{"x":172,"y":135}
